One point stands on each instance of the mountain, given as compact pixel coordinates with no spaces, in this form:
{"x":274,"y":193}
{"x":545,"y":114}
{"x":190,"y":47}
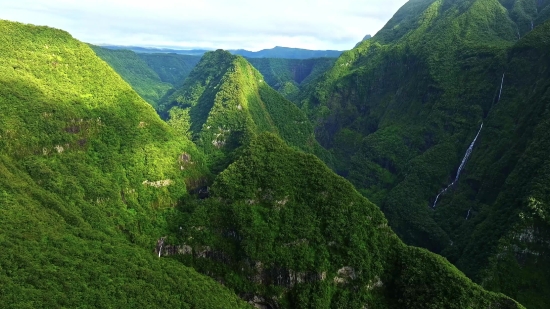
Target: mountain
{"x":149,"y":75}
{"x":171,"y":68}
{"x":154,"y":50}
{"x":287,"y":53}
{"x":440,"y":120}
{"x":89,"y":176}
{"x":276,"y":52}
{"x":437,"y":119}
{"x":287,"y":76}
{"x":135,"y":72}
{"x":367,"y":37}
{"x":225,"y":101}
{"x":283,"y":230}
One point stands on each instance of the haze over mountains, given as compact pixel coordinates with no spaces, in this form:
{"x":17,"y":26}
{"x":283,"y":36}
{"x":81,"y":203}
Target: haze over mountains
{"x":410,"y":172}
{"x":276,"y":52}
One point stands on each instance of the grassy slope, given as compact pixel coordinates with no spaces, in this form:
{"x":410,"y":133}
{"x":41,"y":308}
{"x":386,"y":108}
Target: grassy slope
{"x":282,"y":226}
{"x":80,"y":153}
{"x":400,"y":110}
{"x":135,"y":72}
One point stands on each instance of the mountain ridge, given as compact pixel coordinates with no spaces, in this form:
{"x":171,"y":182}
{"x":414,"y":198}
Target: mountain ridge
{"x":275,"y":52}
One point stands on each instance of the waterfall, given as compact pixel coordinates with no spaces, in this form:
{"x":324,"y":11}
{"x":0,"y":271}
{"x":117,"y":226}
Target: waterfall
{"x":160,"y":244}
{"x":461,"y":167}
{"x":468,"y":215}
{"x":501,"y":84}
{"x":532,"y":26}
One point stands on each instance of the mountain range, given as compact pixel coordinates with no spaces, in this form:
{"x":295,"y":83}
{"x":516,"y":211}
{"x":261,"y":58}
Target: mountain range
{"x":276,"y":52}
{"x":410,"y":172}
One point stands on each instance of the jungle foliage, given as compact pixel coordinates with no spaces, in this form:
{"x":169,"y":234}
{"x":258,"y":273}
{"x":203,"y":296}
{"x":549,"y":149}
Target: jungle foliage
{"x":92,"y":177}
{"x":225,"y":101}
{"x":89,"y":173}
{"x":135,"y":72}
{"x":282,"y":226}
{"x":399,"y":111}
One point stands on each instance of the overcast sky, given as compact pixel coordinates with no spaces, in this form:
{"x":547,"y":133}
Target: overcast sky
{"x":228,"y":24}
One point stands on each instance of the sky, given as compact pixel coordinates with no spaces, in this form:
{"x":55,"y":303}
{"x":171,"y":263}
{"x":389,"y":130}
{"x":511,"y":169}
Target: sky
{"x":209,"y":24}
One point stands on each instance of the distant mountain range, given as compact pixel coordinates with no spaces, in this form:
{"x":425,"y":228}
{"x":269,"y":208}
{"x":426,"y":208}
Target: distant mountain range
{"x":276,"y":52}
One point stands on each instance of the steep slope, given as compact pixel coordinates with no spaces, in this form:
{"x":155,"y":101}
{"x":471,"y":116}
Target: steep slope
{"x":135,"y":72}
{"x":286,"y":232}
{"x":89,"y":174}
{"x":400,"y":111}
{"x":287,"y":75}
{"x":171,"y":68}
{"x":225,"y":101}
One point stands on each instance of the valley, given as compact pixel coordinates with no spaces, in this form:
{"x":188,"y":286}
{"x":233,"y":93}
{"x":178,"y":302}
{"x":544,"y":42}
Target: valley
{"x":411,"y":171}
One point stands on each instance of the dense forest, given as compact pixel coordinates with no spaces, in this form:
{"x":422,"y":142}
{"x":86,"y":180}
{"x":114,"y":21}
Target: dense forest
{"x":156,"y":75}
{"x":410,"y":172}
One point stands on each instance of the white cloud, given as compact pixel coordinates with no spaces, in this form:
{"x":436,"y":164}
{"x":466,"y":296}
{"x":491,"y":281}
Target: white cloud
{"x":247,"y":24}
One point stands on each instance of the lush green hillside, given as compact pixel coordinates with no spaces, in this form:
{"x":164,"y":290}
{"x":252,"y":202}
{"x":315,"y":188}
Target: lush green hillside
{"x":286,"y":232}
{"x":399,"y":112}
{"x":287,"y":75}
{"x":225,"y":101}
{"x":89,"y":173}
{"x":135,"y":72}
{"x":171,"y":68}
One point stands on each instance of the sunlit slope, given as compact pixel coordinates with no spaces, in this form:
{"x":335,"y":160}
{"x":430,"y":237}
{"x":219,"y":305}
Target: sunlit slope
{"x":225,"y":101}
{"x":136,"y":72}
{"x":88,"y":174}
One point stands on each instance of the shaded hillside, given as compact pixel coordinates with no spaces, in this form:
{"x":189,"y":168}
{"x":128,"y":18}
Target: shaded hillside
{"x":225,"y":101}
{"x":135,"y":72}
{"x":287,"y":75}
{"x":171,"y":68}
{"x":286,"y":232}
{"x":89,"y":174}
{"x":400,"y":111}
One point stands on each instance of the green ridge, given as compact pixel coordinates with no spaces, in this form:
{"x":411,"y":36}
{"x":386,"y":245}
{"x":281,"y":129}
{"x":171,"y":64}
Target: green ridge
{"x":89,"y":174}
{"x":225,"y":101}
{"x":282,"y":227}
{"x":171,"y":68}
{"x":399,"y":111}
{"x":135,"y":72}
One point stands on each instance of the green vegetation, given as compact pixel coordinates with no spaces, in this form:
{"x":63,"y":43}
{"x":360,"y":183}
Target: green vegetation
{"x":171,"y":68}
{"x":282,"y":227}
{"x":226,"y":101}
{"x":135,"y":72}
{"x":92,"y":177}
{"x":89,"y":175}
{"x":287,"y":75}
{"x":399,"y":111}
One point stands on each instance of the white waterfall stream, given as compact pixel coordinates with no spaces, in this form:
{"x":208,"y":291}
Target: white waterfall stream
{"x":501,"y":84}
{"x":460,"y":168}
{"x":468,"y":215}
